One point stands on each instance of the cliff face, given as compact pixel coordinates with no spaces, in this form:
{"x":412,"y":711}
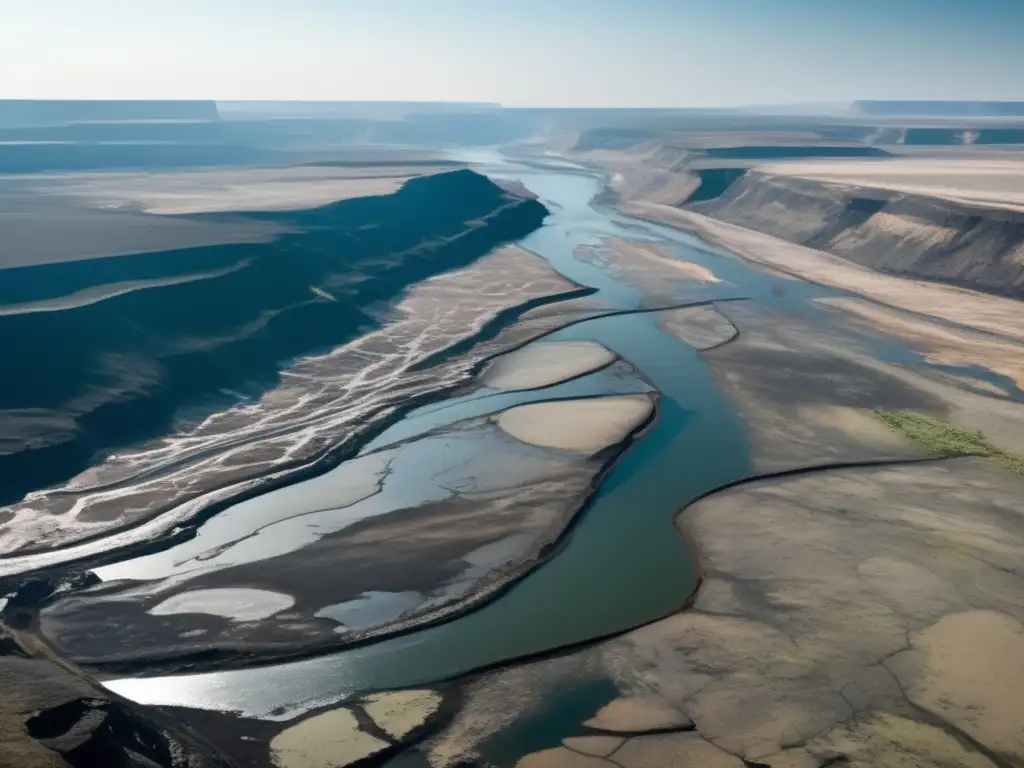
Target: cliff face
{"x":898,"y":233}
{"x":671,"y":173}
{"x":714,"y":182}
{"x":103,"y":352}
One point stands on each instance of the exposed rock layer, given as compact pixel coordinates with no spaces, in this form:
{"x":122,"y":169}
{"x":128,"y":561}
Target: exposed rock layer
{"x":902,"y":234}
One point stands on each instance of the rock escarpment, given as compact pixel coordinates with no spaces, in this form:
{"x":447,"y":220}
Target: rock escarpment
{"x":106,"y":352}
{"x":911,"y":235}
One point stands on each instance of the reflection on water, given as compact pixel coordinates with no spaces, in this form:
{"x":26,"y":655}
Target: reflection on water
{"x":370,"y":609}
{"x":271,"y":524}
{"x":377,"y":482}
{"x":622,"y":566}
{"x":461,"y":509}
{"x":463,"y":462}
{"x":610,"y":381}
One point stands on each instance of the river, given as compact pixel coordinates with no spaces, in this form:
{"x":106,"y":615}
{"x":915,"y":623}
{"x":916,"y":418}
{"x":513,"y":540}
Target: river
{"x":622,"y":564}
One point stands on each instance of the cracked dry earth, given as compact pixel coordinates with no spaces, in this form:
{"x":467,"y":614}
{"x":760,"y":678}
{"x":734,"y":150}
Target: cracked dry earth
{"x":866,"y":616}
{"x":359,"y":731}
{"x":321,"y":402}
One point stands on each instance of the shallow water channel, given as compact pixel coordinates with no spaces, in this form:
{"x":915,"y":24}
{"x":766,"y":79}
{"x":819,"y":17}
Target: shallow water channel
{"x":622,"y":564}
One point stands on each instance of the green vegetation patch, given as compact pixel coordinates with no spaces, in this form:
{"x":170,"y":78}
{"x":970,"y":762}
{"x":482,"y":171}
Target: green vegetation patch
{"x":945,"y":439}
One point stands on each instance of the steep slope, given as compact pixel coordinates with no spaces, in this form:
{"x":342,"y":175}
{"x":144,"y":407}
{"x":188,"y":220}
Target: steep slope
{"x":901,"y":233}
{"x":679,"y":169}
{"x":100,"y":353}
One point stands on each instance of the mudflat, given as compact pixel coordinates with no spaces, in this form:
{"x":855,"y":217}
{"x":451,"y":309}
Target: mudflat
{"x":868,"y":616}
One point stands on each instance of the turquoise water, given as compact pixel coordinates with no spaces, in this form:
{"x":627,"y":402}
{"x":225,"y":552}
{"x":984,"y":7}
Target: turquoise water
{"x":622,"y":564}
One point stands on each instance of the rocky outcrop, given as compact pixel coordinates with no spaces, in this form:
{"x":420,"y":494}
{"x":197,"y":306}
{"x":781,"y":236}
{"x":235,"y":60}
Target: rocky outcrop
{"x":676,"y":171}
{"x":714,"y":182}
{"x":903,"y":234}
{"x":109,"y":350}
{"x":51,"y":719}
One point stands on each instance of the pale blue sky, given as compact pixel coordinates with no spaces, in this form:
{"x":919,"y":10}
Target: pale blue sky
{"x":517,"y":52}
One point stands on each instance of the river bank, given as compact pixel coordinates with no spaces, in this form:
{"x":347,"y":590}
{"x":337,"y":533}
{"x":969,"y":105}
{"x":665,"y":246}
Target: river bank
{"x":754,"y":380}
{"x":716,"y":689}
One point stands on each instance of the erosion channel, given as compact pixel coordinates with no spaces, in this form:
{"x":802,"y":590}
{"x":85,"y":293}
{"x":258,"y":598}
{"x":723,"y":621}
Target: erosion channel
{"x":620,"y":565}
{"x":585,"y":515}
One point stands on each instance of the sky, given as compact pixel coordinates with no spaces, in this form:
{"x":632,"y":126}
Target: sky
{"x":617,"y":53}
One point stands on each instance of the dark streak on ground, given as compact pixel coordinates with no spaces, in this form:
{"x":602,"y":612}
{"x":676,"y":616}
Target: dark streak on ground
{"x":304,"y":469}
{"x":213,"y":659}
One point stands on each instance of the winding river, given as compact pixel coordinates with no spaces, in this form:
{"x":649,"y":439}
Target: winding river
{"x":621,"y":565}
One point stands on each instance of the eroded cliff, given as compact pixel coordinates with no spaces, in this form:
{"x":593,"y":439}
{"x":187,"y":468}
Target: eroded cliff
{"x":105,"y":352}
{"x":914,"y":235}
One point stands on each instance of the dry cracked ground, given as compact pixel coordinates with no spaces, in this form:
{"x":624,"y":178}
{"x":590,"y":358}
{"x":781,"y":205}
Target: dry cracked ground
{"x":868,"y":616}
{"x":861,"y":601}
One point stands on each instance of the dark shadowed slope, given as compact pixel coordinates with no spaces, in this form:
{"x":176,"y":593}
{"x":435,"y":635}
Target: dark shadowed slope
{"x":104,"y":352}
{"x":913,"y":235}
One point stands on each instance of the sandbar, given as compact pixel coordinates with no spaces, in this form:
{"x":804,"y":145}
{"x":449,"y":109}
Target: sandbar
{"x":583,"y":426}
{"x":542,"y":364}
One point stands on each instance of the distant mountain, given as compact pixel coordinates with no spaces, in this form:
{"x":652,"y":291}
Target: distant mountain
{"x":48,"y":112}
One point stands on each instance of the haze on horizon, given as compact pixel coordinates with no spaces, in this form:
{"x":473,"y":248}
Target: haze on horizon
{"x":626,"y":53}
